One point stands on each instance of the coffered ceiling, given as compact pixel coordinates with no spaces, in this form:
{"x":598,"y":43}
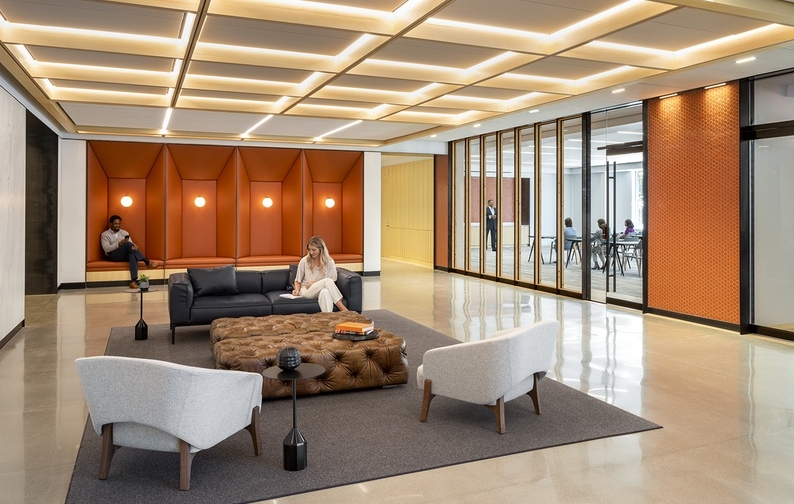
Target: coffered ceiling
{"x":369,"y":73}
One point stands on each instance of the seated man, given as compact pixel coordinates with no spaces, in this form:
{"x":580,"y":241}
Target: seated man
{"x":119,"y":247}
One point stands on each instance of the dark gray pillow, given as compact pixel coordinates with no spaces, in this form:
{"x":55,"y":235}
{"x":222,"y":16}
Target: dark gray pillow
{"x":293,"y":272}
{"x":220,"y":281}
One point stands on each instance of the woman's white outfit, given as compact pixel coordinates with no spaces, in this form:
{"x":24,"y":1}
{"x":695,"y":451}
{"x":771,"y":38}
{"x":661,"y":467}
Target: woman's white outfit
{"x":323,"y":289}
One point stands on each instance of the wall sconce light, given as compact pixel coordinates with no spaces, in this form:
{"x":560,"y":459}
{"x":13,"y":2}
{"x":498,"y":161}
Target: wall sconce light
{"x":126,"y":201}
{"x":329,"y":202}
{"x":267,"y":202}
{"x":199,"y":201}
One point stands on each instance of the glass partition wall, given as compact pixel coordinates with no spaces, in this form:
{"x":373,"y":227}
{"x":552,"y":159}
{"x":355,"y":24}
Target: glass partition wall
{"x":771,"y":174}
{"x":539,"y":176}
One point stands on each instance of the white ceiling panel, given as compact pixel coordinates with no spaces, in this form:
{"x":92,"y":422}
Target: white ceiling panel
{"x":94,"y":15}
{"x":114,"y":116}
{"x":406,"y":68}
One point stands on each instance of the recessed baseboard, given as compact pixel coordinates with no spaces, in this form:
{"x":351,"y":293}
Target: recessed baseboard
{"x":8,"y":337}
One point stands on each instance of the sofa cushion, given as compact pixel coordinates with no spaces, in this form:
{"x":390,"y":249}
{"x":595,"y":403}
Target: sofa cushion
{"x":293,"y":272}
{"x":213,"y":281}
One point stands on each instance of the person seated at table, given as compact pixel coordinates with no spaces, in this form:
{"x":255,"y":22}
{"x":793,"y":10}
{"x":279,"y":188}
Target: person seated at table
{"x":569,"y":234}
{"x":316,"y":277}
{"x":629,"y":230}
{"x":598,"y":240}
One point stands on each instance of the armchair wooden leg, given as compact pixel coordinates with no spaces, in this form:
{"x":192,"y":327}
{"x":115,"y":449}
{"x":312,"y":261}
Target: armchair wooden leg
{"x":108,"y":450}
{"x":426,"y":400}
{"x":534,"y":392}
{"x":253,"y":428}
{"x":185,"y":463}
{"x":499,"y":412}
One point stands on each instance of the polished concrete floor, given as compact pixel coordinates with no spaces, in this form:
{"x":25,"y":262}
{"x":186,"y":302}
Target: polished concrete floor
{"x":726,"y":401}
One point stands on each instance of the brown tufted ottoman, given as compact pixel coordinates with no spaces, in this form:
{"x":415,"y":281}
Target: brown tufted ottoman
{"x":251,"y":344}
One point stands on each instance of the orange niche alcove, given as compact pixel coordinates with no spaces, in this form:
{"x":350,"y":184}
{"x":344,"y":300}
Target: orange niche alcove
{"x":269,"y":235}
{"x":338,"y":175}
{"x":199,"y":235}
{"x":115,"y":170}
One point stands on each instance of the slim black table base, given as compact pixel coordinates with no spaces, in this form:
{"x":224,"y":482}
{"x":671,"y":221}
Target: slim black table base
{"x":295,"y":448}
{"x":295,"y":451}
{"x":141,"y":329}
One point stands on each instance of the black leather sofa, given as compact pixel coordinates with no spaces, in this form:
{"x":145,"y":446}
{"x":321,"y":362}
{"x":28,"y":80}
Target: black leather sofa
{"x":202,"y":295}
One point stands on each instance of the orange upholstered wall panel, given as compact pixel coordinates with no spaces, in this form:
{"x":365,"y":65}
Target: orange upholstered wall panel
{"x":352,"y":209}
{"x":226,"y":218}
{"x":441,"y":210}
{"x":693,"y":204}
{"x":96,"y":206}
{"x":173,"y":209}
{"x":199,"y":224}
{"x":292,"y":241}
{"x":244,"y":208}
{"x":155,"y":209}
{"x":265,"y":224}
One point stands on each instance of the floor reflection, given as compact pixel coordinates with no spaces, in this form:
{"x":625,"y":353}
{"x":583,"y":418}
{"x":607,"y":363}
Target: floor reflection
{"x":724,"y":400}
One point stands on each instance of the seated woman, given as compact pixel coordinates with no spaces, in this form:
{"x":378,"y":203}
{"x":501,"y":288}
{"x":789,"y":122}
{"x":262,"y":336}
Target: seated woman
{"x":598,"y":240}
{"x":569,"y":232}
{"x":316,"y":277}
{"x":629,"y":230}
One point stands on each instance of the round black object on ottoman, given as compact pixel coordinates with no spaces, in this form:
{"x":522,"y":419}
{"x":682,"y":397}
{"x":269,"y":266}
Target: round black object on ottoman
{"x":288,"y":358}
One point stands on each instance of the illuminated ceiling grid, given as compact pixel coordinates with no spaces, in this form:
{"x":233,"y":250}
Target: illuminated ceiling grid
{"x":374,"y":71}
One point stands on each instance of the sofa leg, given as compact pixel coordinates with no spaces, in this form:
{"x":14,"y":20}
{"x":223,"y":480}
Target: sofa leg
{"x":498,"y":410}
{"x":173,"y":334}
{"x":426,"y":401}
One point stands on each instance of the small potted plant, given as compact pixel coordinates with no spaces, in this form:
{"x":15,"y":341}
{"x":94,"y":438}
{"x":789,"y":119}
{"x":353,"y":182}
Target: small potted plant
{"x":143,"y":282}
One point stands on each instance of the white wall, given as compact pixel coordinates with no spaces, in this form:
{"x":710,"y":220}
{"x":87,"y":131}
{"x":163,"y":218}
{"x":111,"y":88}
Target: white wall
{"x":72,"y":208}
{"x":372,"y":212}
{"x":12,"y":213}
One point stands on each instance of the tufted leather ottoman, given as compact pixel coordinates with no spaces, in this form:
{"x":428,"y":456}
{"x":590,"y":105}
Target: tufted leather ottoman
{"x":251,"y":344}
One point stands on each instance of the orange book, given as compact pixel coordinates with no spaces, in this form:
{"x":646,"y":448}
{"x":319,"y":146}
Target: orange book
{"x":355,"y":327}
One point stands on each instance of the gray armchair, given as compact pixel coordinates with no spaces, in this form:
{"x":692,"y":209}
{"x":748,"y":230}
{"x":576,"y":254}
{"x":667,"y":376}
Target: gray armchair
{"x":490,"y":372}
{"x":162,"y":406}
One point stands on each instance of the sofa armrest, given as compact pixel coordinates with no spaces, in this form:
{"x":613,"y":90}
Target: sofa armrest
{"x":349,"y":284}
{"x":180,"y":297}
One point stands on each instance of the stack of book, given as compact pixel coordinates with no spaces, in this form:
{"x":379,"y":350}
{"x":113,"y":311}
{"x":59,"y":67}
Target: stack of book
{"x":355,"y":331}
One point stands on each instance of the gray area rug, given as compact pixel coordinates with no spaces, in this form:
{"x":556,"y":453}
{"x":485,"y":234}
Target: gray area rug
{"x":351,"y":436}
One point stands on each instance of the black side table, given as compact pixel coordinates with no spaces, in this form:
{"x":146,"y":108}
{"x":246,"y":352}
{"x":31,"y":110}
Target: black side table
{"x":141,"y":329}
{"x":295,"y":452}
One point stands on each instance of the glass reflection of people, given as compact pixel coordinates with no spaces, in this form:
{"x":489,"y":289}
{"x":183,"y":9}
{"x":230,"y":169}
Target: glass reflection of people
{"x":629,"y":230}
{"x":490,"y":224}
{"x":598,"y":240}
{"x":316,"y":277}
{"x":119,"y":247}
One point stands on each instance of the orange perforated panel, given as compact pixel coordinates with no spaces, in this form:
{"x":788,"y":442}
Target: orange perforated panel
{"x":693,"y":204}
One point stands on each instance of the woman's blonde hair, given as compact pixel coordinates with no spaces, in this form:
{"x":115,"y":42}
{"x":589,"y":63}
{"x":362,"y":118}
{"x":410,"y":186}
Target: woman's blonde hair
{"x":325,"y":258}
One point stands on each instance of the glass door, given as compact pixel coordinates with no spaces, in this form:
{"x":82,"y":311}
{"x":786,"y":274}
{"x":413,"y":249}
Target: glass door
{"x":617,"y":205}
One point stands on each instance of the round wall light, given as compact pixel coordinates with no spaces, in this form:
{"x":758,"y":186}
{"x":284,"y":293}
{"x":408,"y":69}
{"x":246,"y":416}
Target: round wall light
{"x":267,"y":202}
{"x":126,"y":201}
{"x":329,"y":202}
{"x":199,"y":201}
